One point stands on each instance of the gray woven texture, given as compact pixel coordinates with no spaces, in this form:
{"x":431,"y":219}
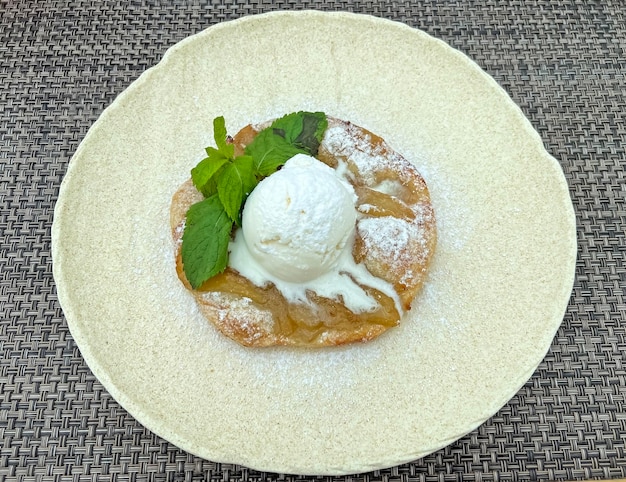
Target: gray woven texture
{"x":62,"y":63}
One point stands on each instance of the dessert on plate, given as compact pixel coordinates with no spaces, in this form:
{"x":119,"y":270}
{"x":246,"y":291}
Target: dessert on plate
{"x":306,"y":230}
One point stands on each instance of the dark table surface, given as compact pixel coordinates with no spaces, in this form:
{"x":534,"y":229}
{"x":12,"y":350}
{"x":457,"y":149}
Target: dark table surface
{"x":63,"y":63}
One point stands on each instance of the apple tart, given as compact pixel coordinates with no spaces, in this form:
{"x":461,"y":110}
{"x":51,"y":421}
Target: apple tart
{"x":394,"y":239}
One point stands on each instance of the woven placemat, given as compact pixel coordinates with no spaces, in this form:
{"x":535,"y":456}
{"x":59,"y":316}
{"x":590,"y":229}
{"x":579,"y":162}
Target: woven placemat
{"x":62,"y":63}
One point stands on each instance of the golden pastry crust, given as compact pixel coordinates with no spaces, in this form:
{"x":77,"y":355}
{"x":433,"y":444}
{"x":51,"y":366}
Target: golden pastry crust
{"x":395,"y":240}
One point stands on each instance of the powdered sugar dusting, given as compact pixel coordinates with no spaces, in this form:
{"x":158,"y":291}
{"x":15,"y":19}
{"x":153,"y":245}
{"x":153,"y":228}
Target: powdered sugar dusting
{"x":395,"y":240}
{"x":238,"y":314}
{"x":402,"y":246}
{"x":371,"y":159}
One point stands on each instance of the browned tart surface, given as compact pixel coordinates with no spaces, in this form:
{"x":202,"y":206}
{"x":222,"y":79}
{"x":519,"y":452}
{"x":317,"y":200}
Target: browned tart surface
{"x":395,"y":240}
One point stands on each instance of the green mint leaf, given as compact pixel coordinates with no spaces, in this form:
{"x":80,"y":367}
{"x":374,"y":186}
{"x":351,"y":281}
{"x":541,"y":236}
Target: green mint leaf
{"x":207,"y":167}
{"x":270,"y":151}
{"x":205,"y":241}
{"x":302,"y":129}
{"x":203,"y":173}
{"x":288,"y":127}
{"x":234,"y":184}
{"x":314,"y":125}
{"x":210,"y":187}
{"x":220,"y":135}
{"x":245,"y":165}
{"x":296,"y":133}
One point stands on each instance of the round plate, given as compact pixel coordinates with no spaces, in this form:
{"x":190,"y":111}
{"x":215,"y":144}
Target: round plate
{"x":497,"y":291}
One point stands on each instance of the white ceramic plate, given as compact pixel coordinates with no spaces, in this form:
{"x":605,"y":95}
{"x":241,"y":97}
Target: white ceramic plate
{"x":496,"y":295}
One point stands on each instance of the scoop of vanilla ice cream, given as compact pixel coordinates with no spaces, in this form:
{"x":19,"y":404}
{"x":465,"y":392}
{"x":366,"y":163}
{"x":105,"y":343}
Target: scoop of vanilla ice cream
{"x":297,"y":221}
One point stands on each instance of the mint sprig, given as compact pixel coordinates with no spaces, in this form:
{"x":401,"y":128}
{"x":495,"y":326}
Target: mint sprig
{"x":226,"y":181}
{"x":235,"y":182}
{"x":206,"y":172}
{"x":270,"y":151}
{"x":205,"y":240}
